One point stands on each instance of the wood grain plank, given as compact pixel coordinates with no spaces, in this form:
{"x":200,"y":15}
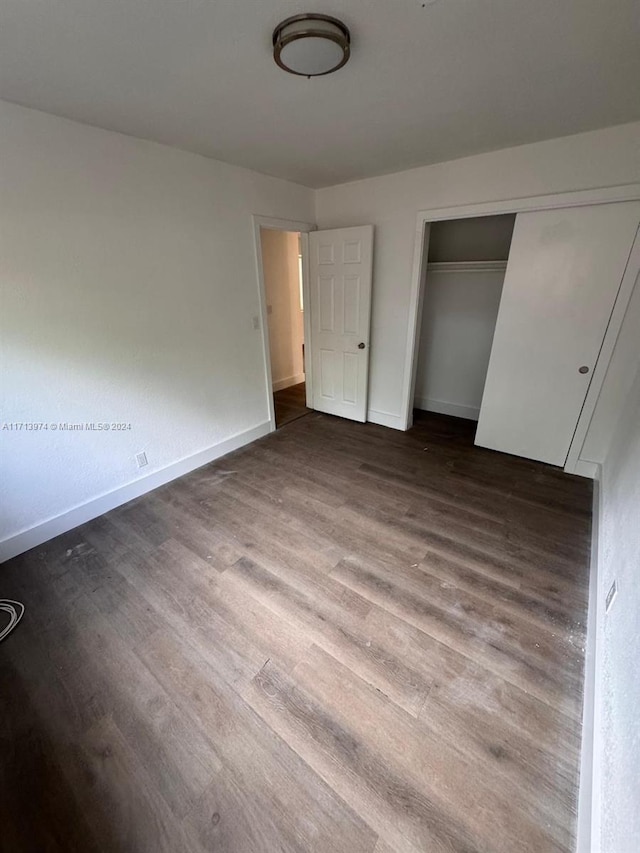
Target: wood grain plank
{"x":341,"y":637}
{"x":547,"y":666}
{"x":339,"y":623}
{"x":294,"y":809}
{"x":403,"y":778}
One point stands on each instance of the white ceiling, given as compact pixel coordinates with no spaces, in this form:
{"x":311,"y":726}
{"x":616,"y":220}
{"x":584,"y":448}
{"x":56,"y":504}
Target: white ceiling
{"x":427,"y":81}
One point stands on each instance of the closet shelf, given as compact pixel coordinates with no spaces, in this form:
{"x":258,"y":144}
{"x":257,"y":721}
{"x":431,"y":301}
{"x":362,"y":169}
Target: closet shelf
{"x":467,"y":266}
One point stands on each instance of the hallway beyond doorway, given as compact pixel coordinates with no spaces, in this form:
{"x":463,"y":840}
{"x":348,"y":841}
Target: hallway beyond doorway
{"x":290,"y":404}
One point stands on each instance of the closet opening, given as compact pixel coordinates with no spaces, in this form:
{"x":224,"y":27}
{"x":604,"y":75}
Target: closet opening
{"x":466,"y":261}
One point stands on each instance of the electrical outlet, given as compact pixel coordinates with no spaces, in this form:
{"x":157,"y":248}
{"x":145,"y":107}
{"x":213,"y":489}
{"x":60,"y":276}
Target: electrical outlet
{"x":141,"y":459}
{"x":611,"y":597}
{"x":256,"y":323}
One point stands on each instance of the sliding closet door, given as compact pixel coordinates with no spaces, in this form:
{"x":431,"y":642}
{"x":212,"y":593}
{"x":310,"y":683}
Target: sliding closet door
{"x":563,"y":274}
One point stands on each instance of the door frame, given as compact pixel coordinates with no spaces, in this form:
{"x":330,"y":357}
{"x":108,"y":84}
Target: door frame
{"x":275,"y":224}
{"x":578,"y":198}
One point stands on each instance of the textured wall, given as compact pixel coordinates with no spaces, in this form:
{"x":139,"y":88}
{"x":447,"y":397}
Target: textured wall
{"x":128,"y":288}
{"x":619,"y":636}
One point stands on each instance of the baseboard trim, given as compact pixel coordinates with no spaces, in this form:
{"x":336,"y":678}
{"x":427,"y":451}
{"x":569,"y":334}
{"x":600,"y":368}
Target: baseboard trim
{"x":40,"y":533}
{"x":281,"y":384}
{"x":588,"y":792}
{"x":584,"y":469}
{"x":385,"y":419}
{"x":428,"y":404}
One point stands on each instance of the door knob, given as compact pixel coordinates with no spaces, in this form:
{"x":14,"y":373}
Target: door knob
{"x":583,"y":369}
{"x":361,"y":345}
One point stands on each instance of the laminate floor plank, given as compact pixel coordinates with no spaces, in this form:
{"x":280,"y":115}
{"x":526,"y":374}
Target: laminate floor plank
{"x":290,"y":404}
{"x":110,"y":729}
{"x":517,"y":598}
{"x":408,"y":782}
{"x":341,"y":625}
{"x":39,"y":808}
{"x":106,"y":769}
{"x":294,"y":460}
{"x":278,"y":802}
{"x":340,"y":638}
{"x":244,"y":511}
{"x":519,"y":652}
{"x":540,"y":756}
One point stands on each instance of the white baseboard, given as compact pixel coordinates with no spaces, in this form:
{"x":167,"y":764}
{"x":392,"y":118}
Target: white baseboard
{"x":428,"y":404}
{"x":385,"y":419}
{"x":588,"y":794}
{"x":281,"y":384}
{"x":40,"y":533}
{"x":584,"y":469}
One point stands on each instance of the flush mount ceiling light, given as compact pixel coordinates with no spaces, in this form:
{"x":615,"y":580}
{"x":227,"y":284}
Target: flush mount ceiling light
{"x":311,"y":45}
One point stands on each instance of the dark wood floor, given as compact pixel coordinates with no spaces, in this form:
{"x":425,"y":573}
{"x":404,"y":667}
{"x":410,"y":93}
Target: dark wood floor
{"x":340,"y":639}
{"x":290,"y":404}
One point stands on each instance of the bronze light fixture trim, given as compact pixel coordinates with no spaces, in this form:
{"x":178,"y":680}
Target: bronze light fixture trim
{"x":311,"y":45}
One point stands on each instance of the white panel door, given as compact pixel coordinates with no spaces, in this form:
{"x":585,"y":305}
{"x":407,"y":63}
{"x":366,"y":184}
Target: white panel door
{"x":563,"y":275}
{"x":340,"y":266}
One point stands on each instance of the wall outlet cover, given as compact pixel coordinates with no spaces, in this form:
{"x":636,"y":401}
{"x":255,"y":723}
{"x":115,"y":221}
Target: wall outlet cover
{"x":141,"y":459}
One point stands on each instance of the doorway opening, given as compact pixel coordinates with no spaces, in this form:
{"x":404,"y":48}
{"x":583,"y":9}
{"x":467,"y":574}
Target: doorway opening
{"x":281,"y":255}
{"x":465,"y":261}
{"x":324,"y":280}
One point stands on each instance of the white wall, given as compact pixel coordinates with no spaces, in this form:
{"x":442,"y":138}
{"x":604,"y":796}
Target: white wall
{"x":618,"y":638}
{"x":601,"y":158}
{"x":128,"y":278}
{"x":458,"y":322}
{"x":280,"y":251}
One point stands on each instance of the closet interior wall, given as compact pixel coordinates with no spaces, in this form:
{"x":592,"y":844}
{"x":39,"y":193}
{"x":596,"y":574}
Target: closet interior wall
{"x":466,"y":265}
